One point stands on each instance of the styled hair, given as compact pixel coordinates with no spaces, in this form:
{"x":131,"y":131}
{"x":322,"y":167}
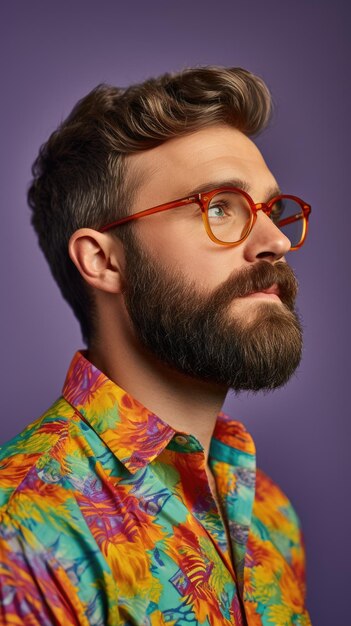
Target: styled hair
{"x":80,"y":177}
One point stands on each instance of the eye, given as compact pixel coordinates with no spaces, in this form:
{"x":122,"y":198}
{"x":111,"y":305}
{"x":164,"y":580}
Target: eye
{"x":277,"y":211}
{"x":216,"y":211}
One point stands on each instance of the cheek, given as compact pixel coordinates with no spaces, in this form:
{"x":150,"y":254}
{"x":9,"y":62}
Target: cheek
{"x":192,"y":254}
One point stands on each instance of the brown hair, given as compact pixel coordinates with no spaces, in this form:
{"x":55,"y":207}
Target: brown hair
{"x":80,"y":177}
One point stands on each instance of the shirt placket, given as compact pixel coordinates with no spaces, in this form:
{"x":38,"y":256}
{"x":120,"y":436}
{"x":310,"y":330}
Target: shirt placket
{"x":235,"y":474}
{"x":192,"y":471}
{"x":204,"y":506}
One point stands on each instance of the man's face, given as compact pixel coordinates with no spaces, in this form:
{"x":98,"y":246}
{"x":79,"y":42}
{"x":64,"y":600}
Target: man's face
{"x":200,"y":307}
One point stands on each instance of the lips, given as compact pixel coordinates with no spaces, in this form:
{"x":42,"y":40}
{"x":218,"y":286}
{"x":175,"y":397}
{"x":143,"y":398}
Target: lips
{"x":273,"y":291}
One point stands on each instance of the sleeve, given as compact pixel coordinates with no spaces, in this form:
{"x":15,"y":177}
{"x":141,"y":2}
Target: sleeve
{"x":34,"y":589}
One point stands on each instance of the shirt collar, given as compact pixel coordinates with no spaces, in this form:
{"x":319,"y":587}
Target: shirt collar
{"x":233,"y":434}
{"x":135,"y":435}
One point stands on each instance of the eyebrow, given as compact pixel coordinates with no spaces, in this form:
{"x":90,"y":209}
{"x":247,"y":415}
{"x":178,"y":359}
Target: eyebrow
{"x":234,"y":182}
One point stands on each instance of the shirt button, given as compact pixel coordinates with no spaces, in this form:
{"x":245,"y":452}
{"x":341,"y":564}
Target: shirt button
{"x":181,"y":440}
{"x":152,"y":508}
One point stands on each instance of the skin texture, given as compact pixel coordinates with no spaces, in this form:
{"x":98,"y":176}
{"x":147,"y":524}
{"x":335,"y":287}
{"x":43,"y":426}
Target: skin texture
{"x":213,"y":155}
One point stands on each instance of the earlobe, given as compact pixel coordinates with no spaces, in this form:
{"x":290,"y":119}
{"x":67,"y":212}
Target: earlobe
{"x":98,"y":258}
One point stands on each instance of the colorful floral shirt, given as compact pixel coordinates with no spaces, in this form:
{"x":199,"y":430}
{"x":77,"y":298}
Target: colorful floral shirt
{"x":107,"y":518}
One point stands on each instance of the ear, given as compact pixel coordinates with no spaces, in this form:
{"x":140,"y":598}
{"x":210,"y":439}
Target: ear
{"x":99,"y":258}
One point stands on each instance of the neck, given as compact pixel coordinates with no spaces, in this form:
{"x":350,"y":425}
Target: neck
{"x":183,"y":402}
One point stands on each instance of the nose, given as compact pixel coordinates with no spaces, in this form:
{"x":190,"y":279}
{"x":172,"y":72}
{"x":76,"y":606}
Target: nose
{"x":266,"y":241}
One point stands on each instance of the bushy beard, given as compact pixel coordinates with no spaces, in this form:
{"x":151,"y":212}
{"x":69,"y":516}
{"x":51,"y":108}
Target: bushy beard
{"x":196,"y":333}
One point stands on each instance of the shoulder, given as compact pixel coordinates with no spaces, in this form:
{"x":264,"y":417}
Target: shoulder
{"x":272,"y":503}
{"x":19,"y":455}
{"x":277,"y":522}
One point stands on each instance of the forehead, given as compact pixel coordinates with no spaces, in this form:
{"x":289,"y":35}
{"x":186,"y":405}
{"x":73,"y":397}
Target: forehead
{"x":217,"y":153}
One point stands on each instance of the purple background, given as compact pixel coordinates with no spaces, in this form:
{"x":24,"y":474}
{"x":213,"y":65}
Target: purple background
{"x":51,"y":54}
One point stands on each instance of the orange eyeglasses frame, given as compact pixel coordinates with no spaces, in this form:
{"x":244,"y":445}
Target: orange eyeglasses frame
{"x":203,"y":201}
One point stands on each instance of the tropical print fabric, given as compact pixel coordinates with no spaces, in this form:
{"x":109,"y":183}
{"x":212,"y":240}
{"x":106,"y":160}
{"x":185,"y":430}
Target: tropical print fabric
{"x":107,"y":518}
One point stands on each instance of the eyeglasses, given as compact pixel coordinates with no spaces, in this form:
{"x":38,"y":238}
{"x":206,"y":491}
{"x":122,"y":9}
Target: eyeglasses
{"x":229,"y":215}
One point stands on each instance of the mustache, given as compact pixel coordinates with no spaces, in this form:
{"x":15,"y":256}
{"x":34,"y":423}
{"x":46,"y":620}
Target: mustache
{"x":261,"y":276}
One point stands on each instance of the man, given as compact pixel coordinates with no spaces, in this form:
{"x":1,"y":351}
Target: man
{"x":133,"y":500}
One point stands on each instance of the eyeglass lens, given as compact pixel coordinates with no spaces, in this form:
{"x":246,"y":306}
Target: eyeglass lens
{"x":230,"y":217}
